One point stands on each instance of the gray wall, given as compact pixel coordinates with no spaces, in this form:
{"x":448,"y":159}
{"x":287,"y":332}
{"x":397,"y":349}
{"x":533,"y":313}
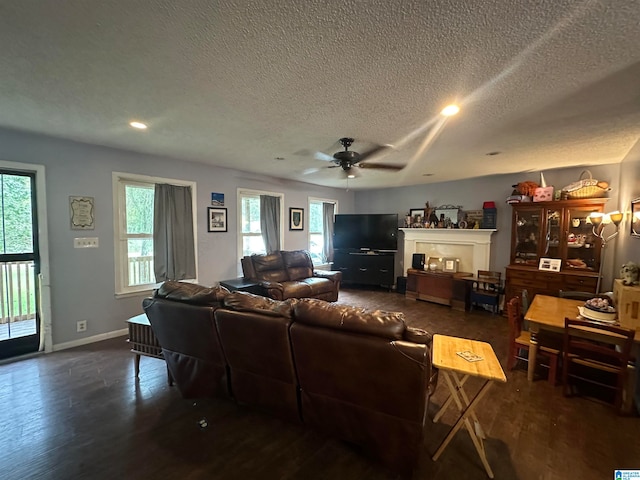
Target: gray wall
{"x":628,"y":247}
{"x":471,"y":194}
{"x":82,"y":280}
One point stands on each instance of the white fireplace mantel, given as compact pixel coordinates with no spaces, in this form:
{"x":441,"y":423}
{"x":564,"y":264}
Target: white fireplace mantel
{"x":471,"y":247}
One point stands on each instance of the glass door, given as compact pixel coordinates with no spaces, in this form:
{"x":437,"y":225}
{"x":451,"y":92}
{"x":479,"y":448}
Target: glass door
{"x":527,"y":225}
{"x":553,"y":240}
{"x":583,"y":247}
{"x":19,"y":265}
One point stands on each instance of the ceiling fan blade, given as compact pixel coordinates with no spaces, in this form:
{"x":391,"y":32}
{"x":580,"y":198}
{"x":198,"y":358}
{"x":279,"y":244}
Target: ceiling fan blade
{"x":371,"y":152}
{"x":309,"y":171}
{"x":324,"y":157}
{"x":381,"y":166}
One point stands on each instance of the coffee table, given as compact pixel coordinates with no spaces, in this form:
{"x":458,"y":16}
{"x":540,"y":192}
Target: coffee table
{"x":456,"y":371}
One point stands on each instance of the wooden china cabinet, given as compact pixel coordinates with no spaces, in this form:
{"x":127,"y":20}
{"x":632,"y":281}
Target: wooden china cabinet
{"x":557,"y":230}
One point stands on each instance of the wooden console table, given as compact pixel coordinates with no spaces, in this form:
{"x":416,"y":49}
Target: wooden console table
{"x":439,"y":287}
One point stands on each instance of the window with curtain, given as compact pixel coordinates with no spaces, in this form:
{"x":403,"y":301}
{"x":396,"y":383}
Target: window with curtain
{"x":319,"y":245}
{"x":250,"y":235}
{"x":134,"y":229}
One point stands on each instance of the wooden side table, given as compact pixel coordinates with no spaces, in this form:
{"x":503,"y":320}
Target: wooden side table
{"x":456,"y":371}
{"x":144,"y":342}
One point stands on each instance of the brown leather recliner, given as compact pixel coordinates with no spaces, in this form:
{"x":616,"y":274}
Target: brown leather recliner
{"x":181,"y":317}
{"x":364,"y":377}
{"x":254,"y":332}
{"x":290,"y":274}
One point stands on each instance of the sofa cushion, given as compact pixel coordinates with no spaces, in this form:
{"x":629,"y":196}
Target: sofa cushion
{"x":298,"y":264}
{"x":269,"y":267}
{"x":306,"y":287}
{"x":191,"y":293}
{"x":248,"y":302}
{"x":316,"y":312}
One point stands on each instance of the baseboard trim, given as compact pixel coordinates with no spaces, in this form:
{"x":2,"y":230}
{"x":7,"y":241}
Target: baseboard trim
{"x":92,"y":339}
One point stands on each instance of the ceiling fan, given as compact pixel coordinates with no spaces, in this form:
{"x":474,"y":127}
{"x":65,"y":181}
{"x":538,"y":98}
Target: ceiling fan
{"x":348,"y":159}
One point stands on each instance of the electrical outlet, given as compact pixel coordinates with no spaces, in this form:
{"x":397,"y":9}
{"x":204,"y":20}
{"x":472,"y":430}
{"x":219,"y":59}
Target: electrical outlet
{"x":85,"y":242}
{"x":81,"y":326}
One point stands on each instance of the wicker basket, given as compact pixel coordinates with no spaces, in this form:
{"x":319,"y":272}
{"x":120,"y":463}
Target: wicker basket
{"x":586,"y":187}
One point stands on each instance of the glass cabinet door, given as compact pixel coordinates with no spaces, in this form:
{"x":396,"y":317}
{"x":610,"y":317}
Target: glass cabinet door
{"x":553,"y":240}
{"x":527,"y":236}
{"x":583,"y":247}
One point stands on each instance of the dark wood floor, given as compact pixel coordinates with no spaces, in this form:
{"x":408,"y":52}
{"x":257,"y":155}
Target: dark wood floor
{"x":80,"y":413}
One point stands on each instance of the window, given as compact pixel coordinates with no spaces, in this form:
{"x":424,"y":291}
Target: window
{"x":133,"y":226}
{"x":250,"y":237}
{"x":316,"y":229}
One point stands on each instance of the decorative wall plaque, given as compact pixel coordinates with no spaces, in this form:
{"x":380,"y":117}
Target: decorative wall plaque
{"x":82,"y":213}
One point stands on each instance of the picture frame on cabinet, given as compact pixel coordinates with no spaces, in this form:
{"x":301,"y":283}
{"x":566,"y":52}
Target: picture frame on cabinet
{"x":550,"y":264}
{"x":450,"y":265}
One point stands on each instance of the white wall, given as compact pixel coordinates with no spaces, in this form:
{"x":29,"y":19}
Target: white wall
{"x":82,"y":280}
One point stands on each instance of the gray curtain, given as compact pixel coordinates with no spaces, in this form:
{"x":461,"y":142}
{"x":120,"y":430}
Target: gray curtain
{"x":270,"y":222}
{"x":173,"y":251}
{"x":327,"y":231}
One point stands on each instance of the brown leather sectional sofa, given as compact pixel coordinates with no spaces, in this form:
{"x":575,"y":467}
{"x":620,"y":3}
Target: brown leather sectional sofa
{"x":361,"y":376}
{"x":290,"y":274}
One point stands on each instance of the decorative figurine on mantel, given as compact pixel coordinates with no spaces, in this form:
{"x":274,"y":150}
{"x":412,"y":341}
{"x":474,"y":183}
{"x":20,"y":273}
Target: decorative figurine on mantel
{"x":428,"y":211}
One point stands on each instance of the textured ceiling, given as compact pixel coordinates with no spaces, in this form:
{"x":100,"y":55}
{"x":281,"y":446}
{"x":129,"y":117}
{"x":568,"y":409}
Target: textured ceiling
{"x":548,"y":83}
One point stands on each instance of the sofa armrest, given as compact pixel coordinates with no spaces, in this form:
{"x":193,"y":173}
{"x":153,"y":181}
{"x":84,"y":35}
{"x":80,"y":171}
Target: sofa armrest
{"x":274,"y":290}
{"x":332,"y":275}
{"x":418,"y":335}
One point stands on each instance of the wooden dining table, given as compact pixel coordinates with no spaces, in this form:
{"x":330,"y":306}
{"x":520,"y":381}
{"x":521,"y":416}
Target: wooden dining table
{"x":548,"y":313}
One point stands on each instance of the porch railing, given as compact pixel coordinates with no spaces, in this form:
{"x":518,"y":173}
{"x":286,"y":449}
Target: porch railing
{"x":18,"y":290}
{"x":141,"y":270}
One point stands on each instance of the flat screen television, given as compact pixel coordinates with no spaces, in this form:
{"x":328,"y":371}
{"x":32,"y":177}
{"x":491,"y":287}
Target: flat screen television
{"x":378,"y":231}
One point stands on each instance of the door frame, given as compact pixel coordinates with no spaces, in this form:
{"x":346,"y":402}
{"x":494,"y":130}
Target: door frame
{"x":44,"y":282}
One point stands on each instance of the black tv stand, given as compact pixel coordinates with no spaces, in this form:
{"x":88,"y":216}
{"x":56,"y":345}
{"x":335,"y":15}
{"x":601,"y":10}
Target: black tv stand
{"x":365,"y":267}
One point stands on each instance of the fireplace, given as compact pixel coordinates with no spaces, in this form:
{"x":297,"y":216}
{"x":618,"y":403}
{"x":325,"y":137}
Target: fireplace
{"x":471,"y":247}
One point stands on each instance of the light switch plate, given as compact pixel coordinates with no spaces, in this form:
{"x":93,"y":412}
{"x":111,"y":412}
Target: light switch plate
{"x":85,"y":242}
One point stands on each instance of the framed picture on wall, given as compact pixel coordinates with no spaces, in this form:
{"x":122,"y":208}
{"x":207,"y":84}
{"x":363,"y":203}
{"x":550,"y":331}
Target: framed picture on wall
{"x":296,"y":219}
{"x":217,"y":219}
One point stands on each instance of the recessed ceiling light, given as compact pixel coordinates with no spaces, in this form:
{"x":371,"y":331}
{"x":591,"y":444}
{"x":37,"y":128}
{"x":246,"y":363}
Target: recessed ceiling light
{"x":427,"y":174}
{"x":351,"y":175}
{"x":138,"y":125}
{"x":493,"y":153}
{"x":450,"y":110}
{"x":279,"y":158}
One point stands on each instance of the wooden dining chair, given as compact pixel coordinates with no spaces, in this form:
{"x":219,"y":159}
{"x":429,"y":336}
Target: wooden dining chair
{"x":520,"y":340}
{"x":575,"y":295}
{"x":598,"y":354}
{"x":486,"y":290}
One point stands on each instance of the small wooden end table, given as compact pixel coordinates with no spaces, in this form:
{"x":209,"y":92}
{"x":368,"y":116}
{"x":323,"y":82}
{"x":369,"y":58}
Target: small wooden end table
{"x":144,"y":342}
{"x":456,"y":371}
